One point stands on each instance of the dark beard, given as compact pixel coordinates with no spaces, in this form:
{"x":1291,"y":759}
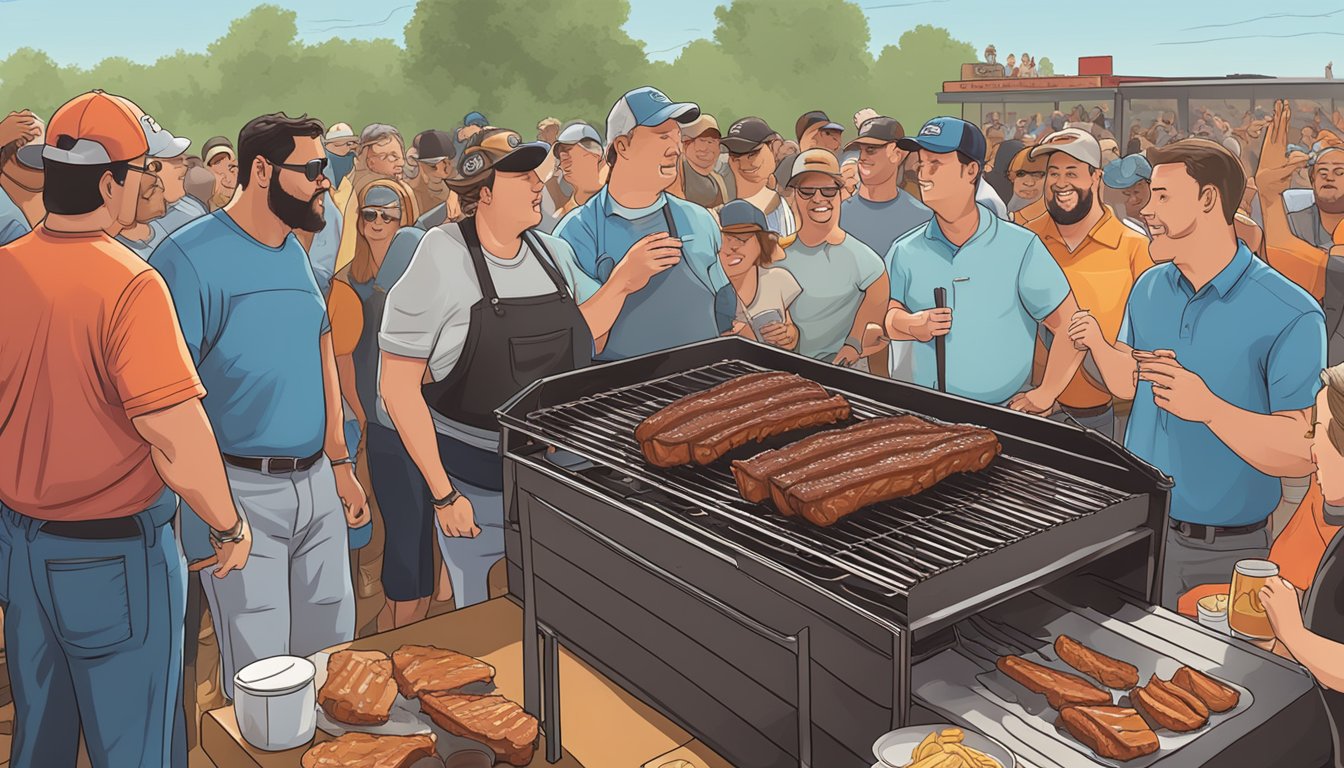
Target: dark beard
{"x":1079,"y":212}
{"x":295,"y":212}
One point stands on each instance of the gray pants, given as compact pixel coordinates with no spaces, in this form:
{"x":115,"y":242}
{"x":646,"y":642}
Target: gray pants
{"x":1103,"y":422}
{"x":294,"y":597}
{"x":469,"y":560}
{"x":1190,"y":562}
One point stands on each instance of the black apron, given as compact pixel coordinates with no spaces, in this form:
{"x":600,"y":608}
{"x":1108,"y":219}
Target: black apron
{"x":1323,"y":614}
{"x":510,"y":344}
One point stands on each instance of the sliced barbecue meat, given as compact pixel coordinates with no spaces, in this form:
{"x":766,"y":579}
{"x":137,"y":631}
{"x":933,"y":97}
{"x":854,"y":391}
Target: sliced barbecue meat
{"x":741,"y":389}
{"x":753,"y":475}
{"x":879,"y":478}
{"x":364,"y":750}
{"x":1219,"y":697}
{"x":423,"y":669}
{"x":1110,"y":672}
{"x":1061,"y":689}
{"x":359,"y":689}
{"x":777,"y":421}
{"x":1189,"y":699}
{"x":1117,"y":733}
{"x":1167,"y":709}
{"x":492,"y":720}
{"x":675,"y":445}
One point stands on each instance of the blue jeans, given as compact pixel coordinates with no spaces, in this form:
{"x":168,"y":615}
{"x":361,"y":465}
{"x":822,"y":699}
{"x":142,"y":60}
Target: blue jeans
{"x":93,"y":635}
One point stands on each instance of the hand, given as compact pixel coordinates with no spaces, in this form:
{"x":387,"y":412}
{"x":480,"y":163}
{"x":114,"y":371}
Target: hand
{"x":776,"y":334}
{"x":863,"y":115}
{"x":1276,"y":170}
{"x":1085,"y":332}
{"x":1282,"y":605}
{"x":646,"y":258}
{"x":352,"y":496}
{"x":232,"y":556}
{"x":1032,"y":401}
{"x":1176,"y":390}
{"x":740,"y":329}
{"x":930,"y":323}
{"x":850,"y":173}
{"x":22,"y":127}
{"x":458,"y":520}
{"x":848,"y":356}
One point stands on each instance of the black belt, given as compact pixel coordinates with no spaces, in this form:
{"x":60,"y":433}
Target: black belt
{"x":273,"y":465}
{"x":1194,"y":531}
{"x":115,"y":528}
{"x":1086,"y":413}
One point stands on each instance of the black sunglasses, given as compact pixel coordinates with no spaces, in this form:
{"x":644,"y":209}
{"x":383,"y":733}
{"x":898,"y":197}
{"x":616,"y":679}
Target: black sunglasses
{"x":153,"y":166}
{"x":373,"y":214}
{"x":1025,"y":174}
{"x":811,"y":192}
{"x":311,"y":170}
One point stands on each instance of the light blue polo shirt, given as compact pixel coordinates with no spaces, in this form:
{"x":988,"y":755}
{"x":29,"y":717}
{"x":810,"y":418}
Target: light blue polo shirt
{"x":603,"y":227}
{"x":13,"y":224}
{"x":252,"y":317}
{"x":1258,"y":342}
{"x":1011,"y":284}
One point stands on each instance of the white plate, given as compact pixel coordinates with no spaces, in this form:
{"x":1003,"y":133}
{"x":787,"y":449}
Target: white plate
{"x":895,"y":749}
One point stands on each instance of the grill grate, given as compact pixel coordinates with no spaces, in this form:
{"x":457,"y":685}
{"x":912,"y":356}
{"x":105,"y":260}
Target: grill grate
{"x":887,"y":548}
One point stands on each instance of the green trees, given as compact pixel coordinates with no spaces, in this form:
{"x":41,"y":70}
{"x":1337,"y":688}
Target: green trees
{"x":516,"y":61}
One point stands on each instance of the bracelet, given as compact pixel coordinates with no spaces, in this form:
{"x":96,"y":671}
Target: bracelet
{"x":339,"y":462}
{"x":854,"y":344}
{"x":234,"y":534}
{"x":448,"y":500}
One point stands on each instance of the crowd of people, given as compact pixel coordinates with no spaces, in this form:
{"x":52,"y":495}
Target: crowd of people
{"x":225,"y":338}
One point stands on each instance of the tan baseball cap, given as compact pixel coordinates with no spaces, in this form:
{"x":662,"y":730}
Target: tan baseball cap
{"x":1074,"y":142}
{"x":698,"y":127}
{"x":815,"y":161}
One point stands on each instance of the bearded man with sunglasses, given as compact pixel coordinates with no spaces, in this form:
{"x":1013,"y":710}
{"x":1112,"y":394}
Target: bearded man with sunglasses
{"x":257,"y":327}
{"x":844,"y":282}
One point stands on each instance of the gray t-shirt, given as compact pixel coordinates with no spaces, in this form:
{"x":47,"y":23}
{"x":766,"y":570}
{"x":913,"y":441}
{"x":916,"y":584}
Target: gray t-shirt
{"x":878,"y":225}
{"x":776,"y":289}
{"x":428,"y":311}
{"x":833,"y":279}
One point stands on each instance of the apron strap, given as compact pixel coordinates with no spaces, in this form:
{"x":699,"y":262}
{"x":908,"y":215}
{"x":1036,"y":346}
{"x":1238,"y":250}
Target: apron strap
{"x":543,"y":255}
{"x":488,"y":292}
{"x":667,"y":217}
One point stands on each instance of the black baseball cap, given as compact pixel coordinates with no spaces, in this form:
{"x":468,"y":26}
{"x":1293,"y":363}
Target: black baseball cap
{"x":812,"y":118}
{"x":877,"y":130}
{"x":746,"y":135}
{"x":433,"y":146}
{"x":498,"y":149}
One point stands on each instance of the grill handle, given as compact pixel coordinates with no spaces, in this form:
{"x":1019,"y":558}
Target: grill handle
{"x":940,"y":343}
{"x":799,"y":643}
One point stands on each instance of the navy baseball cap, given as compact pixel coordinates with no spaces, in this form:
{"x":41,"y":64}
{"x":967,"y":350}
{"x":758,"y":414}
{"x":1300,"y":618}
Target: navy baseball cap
{"x":741,"y":217}
{"x":475,"y":118}
{"x":943,"y":135}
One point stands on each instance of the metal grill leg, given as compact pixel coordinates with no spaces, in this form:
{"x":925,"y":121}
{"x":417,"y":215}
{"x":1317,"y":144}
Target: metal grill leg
{"x":804,"y":650}
{"x":554,"y":748}
{"x":531,"y":630}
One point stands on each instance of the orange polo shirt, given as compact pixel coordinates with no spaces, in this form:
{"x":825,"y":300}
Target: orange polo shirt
{"x":1101,"y":271}
{"x":88,"y":341}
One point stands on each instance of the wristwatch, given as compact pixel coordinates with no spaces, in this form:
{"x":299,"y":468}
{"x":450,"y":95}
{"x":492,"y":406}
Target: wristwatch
{"x":231,"y":536}
{"x":448,"y":500}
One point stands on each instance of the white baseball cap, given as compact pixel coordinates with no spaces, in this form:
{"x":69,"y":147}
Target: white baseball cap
{"x":1074,"y":142}
{"x":162,"y":144}
{"x":338,"y":132}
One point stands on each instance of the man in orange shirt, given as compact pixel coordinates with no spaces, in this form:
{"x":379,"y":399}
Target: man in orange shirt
{"x":101,"y":406}
{"x":1100,"y":256}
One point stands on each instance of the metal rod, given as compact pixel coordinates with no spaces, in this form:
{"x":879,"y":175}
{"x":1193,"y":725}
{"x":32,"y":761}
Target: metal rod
{"x":804,"y":651}
{"x":940,"y":343}
{"x":531,"y":628}
{"x":554,"y":744}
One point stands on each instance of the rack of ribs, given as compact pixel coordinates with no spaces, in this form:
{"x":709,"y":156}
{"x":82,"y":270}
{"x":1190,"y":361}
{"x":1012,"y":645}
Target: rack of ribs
{"x":1118,"y":733}
{"x":1112,"y":673}
{"x":1061,"y":689}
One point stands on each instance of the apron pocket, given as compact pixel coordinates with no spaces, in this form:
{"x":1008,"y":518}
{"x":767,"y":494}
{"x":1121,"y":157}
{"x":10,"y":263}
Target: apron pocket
{"x":90,"y":601}
{"x":533,"y":357}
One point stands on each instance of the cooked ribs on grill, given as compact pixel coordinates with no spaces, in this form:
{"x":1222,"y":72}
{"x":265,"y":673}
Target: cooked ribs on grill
{"x":425,"y":669}
{"x":359,"y":688}
{"x":1169,"y":706}
{"x":709,"y":427}
{"x":1061,"y":689}
{"x":1218,"y":697}
{"x":1110,"y":672}
{"x":363,"y":750}
{"x":1117,"y":733}
{"x":492,"y":720}
{"x":836,"y":488}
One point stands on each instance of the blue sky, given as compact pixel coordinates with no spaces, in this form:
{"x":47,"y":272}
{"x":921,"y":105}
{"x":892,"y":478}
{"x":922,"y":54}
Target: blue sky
{"x":1147,"y":37}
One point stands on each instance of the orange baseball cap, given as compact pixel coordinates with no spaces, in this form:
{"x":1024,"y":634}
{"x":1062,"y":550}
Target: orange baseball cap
{"x":95,"y":128}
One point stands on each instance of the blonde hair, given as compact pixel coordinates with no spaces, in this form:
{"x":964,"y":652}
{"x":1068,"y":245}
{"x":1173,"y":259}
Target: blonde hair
{"x":362,"y":267}
{"x":1333,"y":378}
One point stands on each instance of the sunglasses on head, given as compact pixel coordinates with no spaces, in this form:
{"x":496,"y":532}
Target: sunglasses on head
{"x":311,"y":170}
{"x":153,"y":166}
{"x":811,"y":192}
{"x":388,"y":215}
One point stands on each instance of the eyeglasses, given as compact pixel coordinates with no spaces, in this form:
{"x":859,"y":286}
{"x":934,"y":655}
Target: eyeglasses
{"x":152,"y":167}
{"x":1032,"y":174}
{"x":810,"y":192}
{"x":311,"y":170}
{"x":388,"y":215}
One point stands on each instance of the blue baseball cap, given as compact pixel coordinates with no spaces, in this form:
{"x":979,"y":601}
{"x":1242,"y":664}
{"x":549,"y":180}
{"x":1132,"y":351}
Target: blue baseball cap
{"x":475,"y":118}
{"x":742,"y":217}
{"x":1126,"y":171}
{"x":944,"y":135}
{"x":646,"y":107}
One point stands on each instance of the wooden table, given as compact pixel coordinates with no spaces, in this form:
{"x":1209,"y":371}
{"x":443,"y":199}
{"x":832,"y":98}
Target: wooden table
{"x":603,"y":725}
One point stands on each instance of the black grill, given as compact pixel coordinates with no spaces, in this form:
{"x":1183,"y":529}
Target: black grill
{"x":889,"y":547}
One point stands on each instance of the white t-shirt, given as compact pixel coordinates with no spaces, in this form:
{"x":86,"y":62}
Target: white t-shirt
{"x":775,"y":289}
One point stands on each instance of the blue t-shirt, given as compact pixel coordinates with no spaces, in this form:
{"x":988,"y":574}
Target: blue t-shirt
{"x":252,"y":317}
{"x":879,"y":225}
{"x":1258,"y":342}
{"x":13,"y":224}
{"x":1000,"y":284}
{"x":179,"y":214}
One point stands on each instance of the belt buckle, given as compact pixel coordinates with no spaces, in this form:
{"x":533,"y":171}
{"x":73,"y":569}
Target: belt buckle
{"x":1185,"y":529}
